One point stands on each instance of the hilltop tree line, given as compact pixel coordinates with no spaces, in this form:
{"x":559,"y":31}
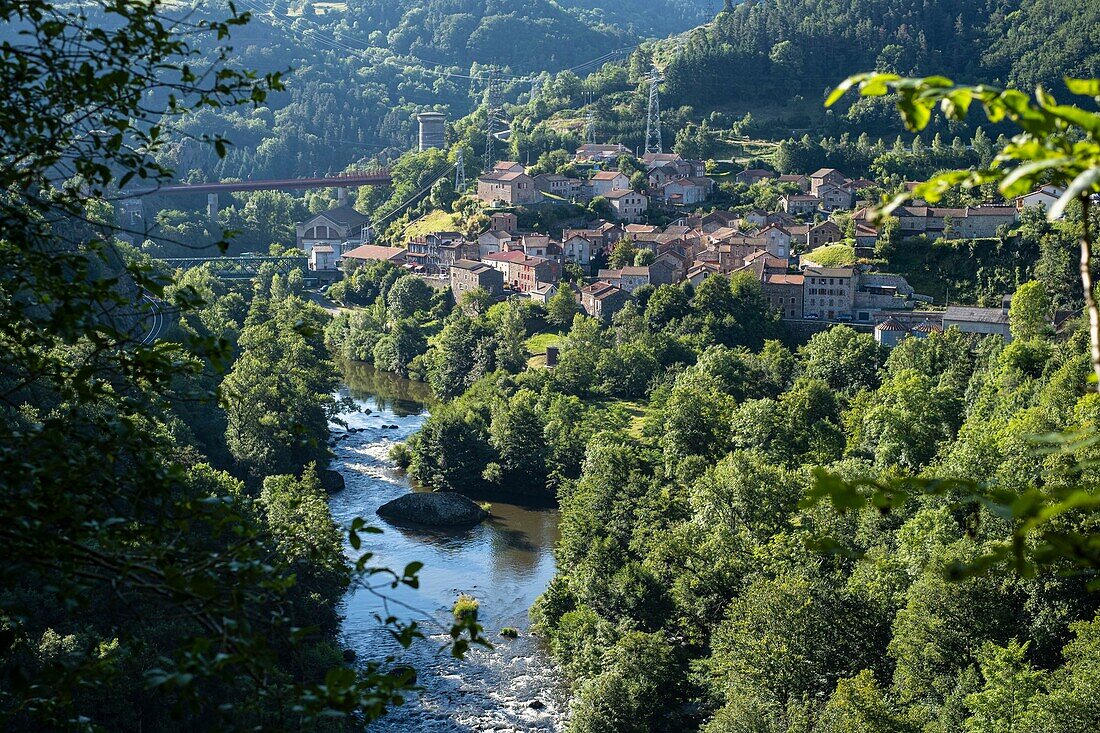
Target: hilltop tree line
{"x":767,"y":50}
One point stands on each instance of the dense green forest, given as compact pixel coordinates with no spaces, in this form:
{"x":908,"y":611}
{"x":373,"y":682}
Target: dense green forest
{"x":757,"y":534}
{"x":362,"y":71}
{"x":697,"y":587}
{"x":781,"y":52}
{"x":170,"y":560}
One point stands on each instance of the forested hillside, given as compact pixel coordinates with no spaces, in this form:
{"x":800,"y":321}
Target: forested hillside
{"x":362,"y":71}
{"x":793,"y":50}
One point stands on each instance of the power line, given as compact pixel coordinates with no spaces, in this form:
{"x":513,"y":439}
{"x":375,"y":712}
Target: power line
{"x":412,"y":199}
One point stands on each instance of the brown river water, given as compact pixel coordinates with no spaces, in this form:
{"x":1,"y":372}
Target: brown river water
{"x":505,"y":563}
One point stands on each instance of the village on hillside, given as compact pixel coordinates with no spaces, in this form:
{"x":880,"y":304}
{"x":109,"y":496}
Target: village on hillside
{"x":792,"y":251}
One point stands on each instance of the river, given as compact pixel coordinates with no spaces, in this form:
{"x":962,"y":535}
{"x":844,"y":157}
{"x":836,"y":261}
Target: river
{"x":505,"y":563}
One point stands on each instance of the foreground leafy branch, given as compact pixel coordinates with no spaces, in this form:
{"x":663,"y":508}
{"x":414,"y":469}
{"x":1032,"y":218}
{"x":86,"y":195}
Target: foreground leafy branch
{"x":1056,"y":144}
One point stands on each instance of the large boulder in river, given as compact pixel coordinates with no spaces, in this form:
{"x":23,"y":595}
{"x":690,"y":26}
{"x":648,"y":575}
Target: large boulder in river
{"x":331,"y":481}
{"x":439,"y":509}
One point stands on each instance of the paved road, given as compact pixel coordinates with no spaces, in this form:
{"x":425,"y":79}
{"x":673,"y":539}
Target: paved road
{"x":319,"y":298}
{"x":155,"y":319}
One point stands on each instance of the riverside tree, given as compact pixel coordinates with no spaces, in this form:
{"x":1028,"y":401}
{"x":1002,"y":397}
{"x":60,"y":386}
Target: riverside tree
{"x":143,"y":587}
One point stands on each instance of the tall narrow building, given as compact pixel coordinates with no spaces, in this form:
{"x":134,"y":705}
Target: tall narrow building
{"x":433,"y":126}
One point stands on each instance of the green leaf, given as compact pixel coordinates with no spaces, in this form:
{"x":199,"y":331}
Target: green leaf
{"x":842,"y":89}
{"x":1084,"y":87}
{"x":956,"y":105}
{"x":916,"y":113}
{"x":878,"y":85}
{"x":1082,"y":184}
{"x":1023,"y":179}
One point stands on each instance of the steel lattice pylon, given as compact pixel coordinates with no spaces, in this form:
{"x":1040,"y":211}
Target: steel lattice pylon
{"x":492,"y":114}
{"x":653,"y":142}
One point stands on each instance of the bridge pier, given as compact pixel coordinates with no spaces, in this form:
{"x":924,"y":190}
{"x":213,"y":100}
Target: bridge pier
{"x":342,"y":195}
{"x":212,"y":205}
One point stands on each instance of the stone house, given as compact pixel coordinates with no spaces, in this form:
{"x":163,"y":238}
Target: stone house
{"x":797,"y":179}
{"x":661,"y":175}
{"x":628,"y":278}
{"x":425,"y":253}
{"x":522,"y":272}
{"x":799,"y":204}
{"x":826,"y":176}
{"x":537,"y":245}
{"x":866,"y":236}
{"x":604,"y":182}
{"x":824,"y":233}
{"x":666,"y":270}
{"x":508,"y":188}
{"x":976,"y":222}
{"x":756,"y":217}
{"x":834,"y":198}
{"x":602,"y":300}
{"x":504,"y":221}
{"x":684,"y":168}
{"x":785,"y":293}
{"x":700,"y":271}
{"x":557,"y":185}
{"x":491,"y":242}
{"x":543,"y":292}
{"x":454,"y":251}
{"x":754,"y":175}
{"x":829,"y":291}
{"x":629,"y":206}
{"x":467,"y":275}
{"x":580,"y":249}
{"x":686,"y":191}
{"x":777,"y":240}
{"x":972,"y":222}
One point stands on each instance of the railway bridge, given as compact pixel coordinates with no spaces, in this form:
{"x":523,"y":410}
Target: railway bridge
{"x":341,"y":183}
{"x":240,"y":268}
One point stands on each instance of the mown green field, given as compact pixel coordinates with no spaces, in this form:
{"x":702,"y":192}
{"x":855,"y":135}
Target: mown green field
{"x":433,"y":221}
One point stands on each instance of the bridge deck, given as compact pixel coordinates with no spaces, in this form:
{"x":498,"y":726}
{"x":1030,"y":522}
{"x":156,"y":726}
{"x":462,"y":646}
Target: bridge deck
{"x":369,"y":178}
{"x":239,"y":268}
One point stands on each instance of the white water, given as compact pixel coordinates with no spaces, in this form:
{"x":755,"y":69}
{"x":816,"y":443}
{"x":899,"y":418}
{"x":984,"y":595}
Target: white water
{"x":505,"y":563}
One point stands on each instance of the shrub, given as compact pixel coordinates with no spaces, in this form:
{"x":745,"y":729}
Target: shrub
{"x":465,"y":608}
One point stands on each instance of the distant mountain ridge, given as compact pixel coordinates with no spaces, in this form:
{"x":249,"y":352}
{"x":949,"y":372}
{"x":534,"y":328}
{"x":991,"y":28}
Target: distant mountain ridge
{"x":531,"y":36}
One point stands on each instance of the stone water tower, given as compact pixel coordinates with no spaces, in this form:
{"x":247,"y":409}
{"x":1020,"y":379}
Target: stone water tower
{"x":433,"y":127}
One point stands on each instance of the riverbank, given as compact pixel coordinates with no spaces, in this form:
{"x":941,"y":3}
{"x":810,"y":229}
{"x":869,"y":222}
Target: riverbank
{"x":506,"y":562}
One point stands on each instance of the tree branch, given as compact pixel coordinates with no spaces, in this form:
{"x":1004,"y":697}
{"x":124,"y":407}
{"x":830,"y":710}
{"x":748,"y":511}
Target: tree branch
{"x":1090,"y":294}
